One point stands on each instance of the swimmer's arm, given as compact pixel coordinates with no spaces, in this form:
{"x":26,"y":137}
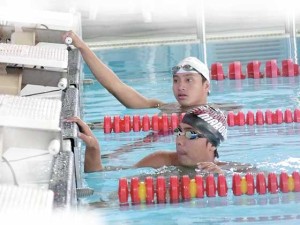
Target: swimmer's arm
{"x":209,"y":167}
{"x":129,"y":97}
{"x":92,"y":159}
{"x":158,"y":159}
{"x":246,"y":168}
{"x":239,"y":167}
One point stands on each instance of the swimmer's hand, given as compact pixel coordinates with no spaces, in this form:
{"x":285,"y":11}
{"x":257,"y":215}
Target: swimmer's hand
{"x":92,"y":159}
{"x":85,"y":132}
{"x":208,"y":167}
{"x":76,"y":40}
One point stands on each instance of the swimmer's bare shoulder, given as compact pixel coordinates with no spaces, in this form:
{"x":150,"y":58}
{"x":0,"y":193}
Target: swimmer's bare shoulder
{"x":238,"y":167}
{"x":169,"y":108}
{"x":227,"y":106}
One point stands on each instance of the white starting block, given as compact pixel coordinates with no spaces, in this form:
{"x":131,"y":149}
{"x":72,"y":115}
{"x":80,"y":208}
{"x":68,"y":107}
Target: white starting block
{"x":30,"y":135}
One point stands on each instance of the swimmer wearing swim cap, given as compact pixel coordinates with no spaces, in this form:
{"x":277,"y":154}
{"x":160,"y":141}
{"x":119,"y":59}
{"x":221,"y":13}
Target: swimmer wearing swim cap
{"x":192,"y":65}
{"x":198,"y":136}
{"x":203,"y":129}
{"x":210,"y":122}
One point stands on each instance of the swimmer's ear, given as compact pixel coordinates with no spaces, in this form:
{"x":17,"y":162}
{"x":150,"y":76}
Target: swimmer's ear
{"x":207,"y":85}
{"x":213,"y":148}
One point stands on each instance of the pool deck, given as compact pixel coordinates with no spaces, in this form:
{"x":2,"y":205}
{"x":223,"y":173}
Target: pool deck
{"x":39,"y":151}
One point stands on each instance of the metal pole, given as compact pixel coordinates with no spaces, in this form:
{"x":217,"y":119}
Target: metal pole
{"x":201,"y":33}
{"x":293,"y":37}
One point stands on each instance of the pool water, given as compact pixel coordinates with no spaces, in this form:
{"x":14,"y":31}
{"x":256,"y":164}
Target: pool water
{"x":271,"y":148}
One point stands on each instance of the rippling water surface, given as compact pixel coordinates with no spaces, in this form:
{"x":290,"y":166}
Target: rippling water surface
{"x":272,"y":148}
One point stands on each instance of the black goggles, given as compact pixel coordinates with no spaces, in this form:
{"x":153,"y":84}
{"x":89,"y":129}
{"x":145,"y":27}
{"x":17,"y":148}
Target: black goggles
{"x":190,"y":134}
{"x":185,"y":67}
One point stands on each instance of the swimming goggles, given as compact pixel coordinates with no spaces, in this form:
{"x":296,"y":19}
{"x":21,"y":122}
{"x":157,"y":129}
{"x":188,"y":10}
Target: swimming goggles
{"x":185,"y":67}
{"x":190,"y":134}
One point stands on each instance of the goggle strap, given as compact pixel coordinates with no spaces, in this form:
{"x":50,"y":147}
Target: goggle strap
{"x":185,"y":67}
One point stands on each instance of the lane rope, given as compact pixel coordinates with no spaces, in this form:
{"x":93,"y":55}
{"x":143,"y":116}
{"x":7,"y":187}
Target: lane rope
{"x":176,"y":189}
{"x":167,"y":123}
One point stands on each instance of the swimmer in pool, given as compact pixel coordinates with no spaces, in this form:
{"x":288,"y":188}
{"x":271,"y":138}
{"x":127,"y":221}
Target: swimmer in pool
{"x":198,"y":136}
{"x":191,"y":83}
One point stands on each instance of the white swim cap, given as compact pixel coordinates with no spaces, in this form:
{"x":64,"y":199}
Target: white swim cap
{"x":195,"y":65}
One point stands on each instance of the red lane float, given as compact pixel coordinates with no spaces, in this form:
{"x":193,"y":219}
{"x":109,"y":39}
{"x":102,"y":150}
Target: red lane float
{"x":235,"y":71}
{"x":210,"y":186}
{"x":222,"y":186}
{"x":161,"y":189}
{"x":296,"y":178}
{"x":253,"y":70}
{"x":288,"y":69}
{"x":184,"y":188}
{"x":149,"y":190}
{"x":123,"y":191}
{"x":261,"y":187}
{"x":272,"y":69}
{"x":199,"y":186}
{"x":250,"y":119}
{"x":134,"y":190}
{"x":167,"y":123}
{"x":249,"y":179}
{"x":174,"y":189}
{"x":236,"y":185}
{"x":136,"y":125}
{"x":272,"y":183}
{"x":217,"y":72}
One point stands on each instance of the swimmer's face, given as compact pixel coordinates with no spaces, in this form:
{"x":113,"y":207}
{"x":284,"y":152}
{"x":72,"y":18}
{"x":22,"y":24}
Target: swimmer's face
{"x":192,"y":151}
{"x":189,"y":89}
